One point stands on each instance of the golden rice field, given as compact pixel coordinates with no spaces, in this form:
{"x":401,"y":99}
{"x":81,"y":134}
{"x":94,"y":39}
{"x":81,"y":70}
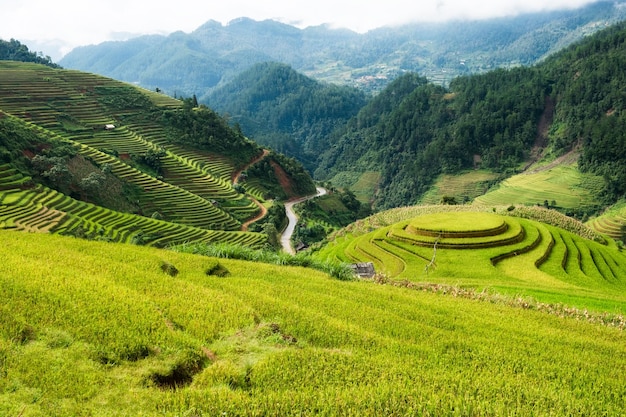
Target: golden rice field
{"x":103,"y":329}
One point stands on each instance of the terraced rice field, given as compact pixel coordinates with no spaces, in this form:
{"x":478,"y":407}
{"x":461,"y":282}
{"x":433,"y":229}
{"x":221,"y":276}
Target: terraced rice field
{"x":65,"y":104}
{"x":563,"y":184}
{"x":473,"y":248}
{"x":612,"y":223}
{"x":40,"y":209}
{"x":463,"y":187}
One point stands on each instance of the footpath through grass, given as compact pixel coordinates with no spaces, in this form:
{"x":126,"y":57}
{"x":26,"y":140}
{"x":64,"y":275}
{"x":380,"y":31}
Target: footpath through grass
{"x":101,"y":329}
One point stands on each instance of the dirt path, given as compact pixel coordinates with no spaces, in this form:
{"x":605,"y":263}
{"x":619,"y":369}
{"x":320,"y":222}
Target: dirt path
{"x":244,"y":227}
{"x":235,"y":177}
{"x":235,"y":180}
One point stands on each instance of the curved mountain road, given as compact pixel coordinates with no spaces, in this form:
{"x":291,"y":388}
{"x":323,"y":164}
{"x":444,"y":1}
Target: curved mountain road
{"x":285,"y":238}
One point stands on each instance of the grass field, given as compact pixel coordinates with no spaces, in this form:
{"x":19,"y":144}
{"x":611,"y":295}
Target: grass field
{"x":513,"y":255}
{"x":563,"y":184}
{"x":362,"y":184}
{"x":101,"y":329}
{"x":463,"y":187}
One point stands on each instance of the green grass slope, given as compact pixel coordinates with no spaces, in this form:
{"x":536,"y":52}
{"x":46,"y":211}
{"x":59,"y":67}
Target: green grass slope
{"x":160,"y":158}
{"x":102,"y":329}
{"x":612,"y":222}
{"x":514,"y":252}
{"x":563,"y":184}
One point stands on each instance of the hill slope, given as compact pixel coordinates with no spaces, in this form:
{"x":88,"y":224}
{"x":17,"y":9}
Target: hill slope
{"x":197,"y":62}
{"x":503,"y":120}
{"x":286,"y":110}
{"x":70,"y":138}
{"x":109,"y":329}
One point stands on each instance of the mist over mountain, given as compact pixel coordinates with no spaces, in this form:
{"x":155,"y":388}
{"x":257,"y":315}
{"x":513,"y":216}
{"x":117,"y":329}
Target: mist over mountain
{"x":197,"y":62}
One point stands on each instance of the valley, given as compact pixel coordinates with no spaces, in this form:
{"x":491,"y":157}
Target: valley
{"x":149,"y":263}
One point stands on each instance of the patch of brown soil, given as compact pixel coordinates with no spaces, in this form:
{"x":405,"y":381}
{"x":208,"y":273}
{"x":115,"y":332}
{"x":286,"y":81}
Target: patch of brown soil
{"x":566,"y":159}
{"x":283,"y":179}
{"x":541,"y":140}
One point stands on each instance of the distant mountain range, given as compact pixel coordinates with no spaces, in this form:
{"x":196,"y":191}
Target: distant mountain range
{"x":197,"y":62}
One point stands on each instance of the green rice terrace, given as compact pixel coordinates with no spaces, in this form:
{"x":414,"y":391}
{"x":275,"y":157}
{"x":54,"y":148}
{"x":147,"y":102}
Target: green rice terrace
{"x":170,"y":308}
{"x":109,"y":329}
{"x":119,"y":163}
{"x":527,"y":250}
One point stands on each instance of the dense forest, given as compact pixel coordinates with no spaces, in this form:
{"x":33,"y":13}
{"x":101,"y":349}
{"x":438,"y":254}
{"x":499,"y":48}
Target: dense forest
{"x":589,"y":86}
{"x":14,"y":50}
{"x":414,"y":130}
{"x":286,"y":110}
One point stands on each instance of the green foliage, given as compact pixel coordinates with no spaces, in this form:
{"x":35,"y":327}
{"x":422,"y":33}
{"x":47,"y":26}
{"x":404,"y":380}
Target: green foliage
{"x":230,"y":251}
{"x":202,"y":128}
{"x":322,"y":215}
{"x":285,"y":110}
{"x":123,"y":97}
{"x":13,"y":50}
{"x":153,"y":159}
{"x":591,"y":106}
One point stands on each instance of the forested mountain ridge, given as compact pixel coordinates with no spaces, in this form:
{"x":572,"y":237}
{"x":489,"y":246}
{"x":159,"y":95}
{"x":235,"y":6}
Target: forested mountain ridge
{"x":286,"y":110}
{"x":195,"y":63}
{"x":415,"y":130}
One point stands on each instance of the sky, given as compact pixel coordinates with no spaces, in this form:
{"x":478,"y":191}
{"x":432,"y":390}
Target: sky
{"x":54,"y":27}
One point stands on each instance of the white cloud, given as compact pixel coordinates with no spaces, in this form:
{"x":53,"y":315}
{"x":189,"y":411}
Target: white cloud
{"x":93,"y":21}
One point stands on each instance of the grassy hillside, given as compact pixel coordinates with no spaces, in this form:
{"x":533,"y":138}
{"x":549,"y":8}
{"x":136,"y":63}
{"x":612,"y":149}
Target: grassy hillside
{"x":102,"y":329}
{"x":562,"y":186}
{"x":518,"y":251}
{"x":416,"y":133}
{"x":99,"y":153}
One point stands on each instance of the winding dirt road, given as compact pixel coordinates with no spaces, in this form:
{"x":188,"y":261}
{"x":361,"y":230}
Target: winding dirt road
{"x":285,"y":238}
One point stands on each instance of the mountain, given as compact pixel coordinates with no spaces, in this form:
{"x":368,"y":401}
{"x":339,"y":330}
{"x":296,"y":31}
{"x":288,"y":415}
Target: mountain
{"x":197,"y":62}
{"x":89,"y":156}
{"x":502,"y":121}
{"x":286,"y":110}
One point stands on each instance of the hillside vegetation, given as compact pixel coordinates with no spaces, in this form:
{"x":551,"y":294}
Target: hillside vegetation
{"x":502,"y":121}
{"x":96,"y":153}
{"x":285,"y":110}
{"x":197,"y":62}
{"x":14,"y":50}
{"x":102,"y":329}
